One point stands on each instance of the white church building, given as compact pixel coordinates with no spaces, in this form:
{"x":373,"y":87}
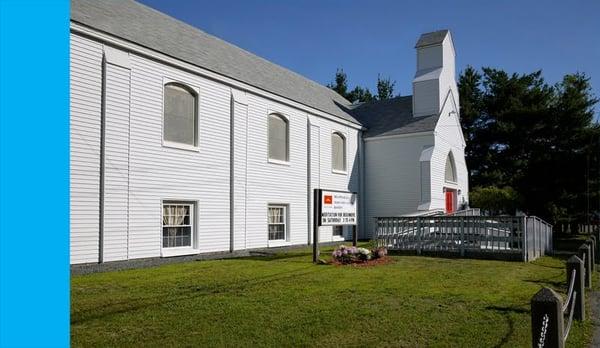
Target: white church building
{"x":184,"y":144}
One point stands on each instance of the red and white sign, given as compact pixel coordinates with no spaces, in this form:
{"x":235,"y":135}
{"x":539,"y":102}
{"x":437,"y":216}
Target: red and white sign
{"x":337,"y":208}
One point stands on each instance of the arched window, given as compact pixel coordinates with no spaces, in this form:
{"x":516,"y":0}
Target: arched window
{"x":180,"y":115}
{"x":338,"y":152}
{"x":450,"y":168}
{"x":278,"y":138}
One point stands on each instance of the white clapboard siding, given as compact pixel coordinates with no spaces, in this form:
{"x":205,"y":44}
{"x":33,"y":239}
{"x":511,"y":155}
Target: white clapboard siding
{"x":140,"y":173}
{"x":448,"y":138}
{"x":392,"y":176}
{"x":116,"y":163}
{"x":159,"y":173}
{"x":85,"y":109}
{"x":327,"y":178}
{"x":240,"y":148}
{"x":270,"y":183}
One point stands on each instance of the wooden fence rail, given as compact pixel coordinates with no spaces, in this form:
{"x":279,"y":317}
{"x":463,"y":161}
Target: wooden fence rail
{"x":512,"y":237}
{"x":551,"y":318}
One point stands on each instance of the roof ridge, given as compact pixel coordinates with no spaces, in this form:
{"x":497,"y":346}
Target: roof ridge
{"x":132,"y":21}
{"x":236,"y":47}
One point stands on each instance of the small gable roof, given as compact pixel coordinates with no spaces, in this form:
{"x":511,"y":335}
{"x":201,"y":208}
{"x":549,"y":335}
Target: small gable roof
{"x":432,"y":38}
{"x":392,"y":117}
{"x":147,"y":27}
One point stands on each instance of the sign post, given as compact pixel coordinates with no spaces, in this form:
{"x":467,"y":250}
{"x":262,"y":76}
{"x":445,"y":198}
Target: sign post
{"x":333,"y":208}
{"x":316,"y":224}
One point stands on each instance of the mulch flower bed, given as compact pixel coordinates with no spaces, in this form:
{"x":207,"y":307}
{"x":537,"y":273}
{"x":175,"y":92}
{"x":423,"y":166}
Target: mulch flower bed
{"x":369,"y":263}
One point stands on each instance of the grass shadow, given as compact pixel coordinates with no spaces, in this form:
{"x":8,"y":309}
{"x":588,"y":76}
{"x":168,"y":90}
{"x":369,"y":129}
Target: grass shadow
{"x":273,"y":256}
{"x":506,"y":311}
{"x":240,"y":286}
{"x":549,"y":283}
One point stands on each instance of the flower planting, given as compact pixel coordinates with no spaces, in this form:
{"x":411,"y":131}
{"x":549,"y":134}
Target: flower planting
{"x":348,"y":255}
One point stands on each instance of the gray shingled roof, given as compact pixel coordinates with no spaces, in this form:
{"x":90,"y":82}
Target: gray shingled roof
{"x":392,"y":117}
{"x":433,"y":38}
{"x":145,"y":26}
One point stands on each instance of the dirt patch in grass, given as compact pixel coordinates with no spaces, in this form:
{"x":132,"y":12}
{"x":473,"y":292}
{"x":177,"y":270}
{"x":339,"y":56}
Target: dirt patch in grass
{"x":369,"y":263}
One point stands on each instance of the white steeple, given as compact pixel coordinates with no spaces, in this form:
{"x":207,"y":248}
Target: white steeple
{"x":435,"y":75}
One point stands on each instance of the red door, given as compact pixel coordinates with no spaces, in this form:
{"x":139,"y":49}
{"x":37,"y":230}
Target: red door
{"x":449,"y":202}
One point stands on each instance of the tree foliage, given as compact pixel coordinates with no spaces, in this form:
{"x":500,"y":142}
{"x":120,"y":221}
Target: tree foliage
{"x":385,"y":88}
{"x":341,"y":83}
{"x":535,"y":138}
{"x":360,"y":94}
{"x":495,"y":200}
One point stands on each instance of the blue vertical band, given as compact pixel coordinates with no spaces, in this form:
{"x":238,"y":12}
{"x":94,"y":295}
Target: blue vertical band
{"x":34,"y":173}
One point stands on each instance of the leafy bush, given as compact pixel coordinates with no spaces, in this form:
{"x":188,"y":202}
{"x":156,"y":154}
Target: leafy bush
{"x":495,"y":200}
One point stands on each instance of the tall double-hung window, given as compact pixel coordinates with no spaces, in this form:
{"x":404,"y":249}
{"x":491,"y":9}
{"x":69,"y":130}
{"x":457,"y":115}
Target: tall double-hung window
{"x":338,"y":152}
{"x":180,"y":124}
{"x":277,"y":219}
{"x":178,"y":220}
{"x":278,"y":134}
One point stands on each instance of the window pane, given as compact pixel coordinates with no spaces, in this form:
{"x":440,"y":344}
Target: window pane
{"x":338,"y":152}
{"x":176,"y":215}
{"x":338,"y":230}
{"x":278,"y":138}
{"x":180,"y":115}
{"x":276,"y":215}
{"x":276,"y":232}
{"x":177,"y":236}
{"x":450,"y":170}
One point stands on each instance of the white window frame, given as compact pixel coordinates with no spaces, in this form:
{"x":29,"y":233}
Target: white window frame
{"x":345,"y":143}
{"x":452,"y":161}
{"x":335,"y":237}
{"x":286,"y":231}
{"x":287,"y":123}
{"x":180,"y":250}
{"x":172,"y":144}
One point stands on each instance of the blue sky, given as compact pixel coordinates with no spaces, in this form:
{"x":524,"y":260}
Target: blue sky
{"x":365,"y":38}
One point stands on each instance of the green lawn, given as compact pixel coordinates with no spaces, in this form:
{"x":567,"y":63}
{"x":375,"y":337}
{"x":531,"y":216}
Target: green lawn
{"x":287,"y":301}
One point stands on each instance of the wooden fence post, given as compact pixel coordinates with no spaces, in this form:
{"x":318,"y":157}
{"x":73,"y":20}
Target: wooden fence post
{"x":575,"y":263}
{"x":547,"y":319}
{"x":462,"y":236}
{"x":419,"y":239}
{"x":584,"y":254}
{"x":524,"y":237}
{"x":592,"y":246}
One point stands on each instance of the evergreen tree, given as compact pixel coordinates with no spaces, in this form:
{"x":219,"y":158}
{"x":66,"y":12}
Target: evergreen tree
{"x":359,"y":94}
{"x":537,"y":139}
{"x":341,"y":83}
{"x":385,"y":88}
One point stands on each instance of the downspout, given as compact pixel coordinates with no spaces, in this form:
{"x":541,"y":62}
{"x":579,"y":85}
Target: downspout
{"x":231,"y":174}
{"x":308,"y":180}
{"x":361,"y":185}
{"x":102,"y":165}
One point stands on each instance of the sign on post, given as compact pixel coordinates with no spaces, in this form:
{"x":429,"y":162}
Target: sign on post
{"x":337,"y":208}
{"x":333,"y":208}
